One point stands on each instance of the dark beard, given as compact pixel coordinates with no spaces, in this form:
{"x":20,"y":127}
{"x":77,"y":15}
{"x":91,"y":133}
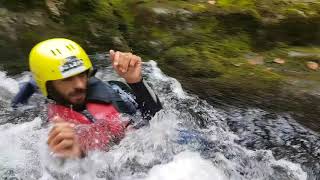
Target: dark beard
{"x":54,"y":95}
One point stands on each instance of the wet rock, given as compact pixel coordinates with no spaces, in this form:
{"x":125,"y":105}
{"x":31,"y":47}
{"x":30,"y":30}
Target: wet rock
{"x":296,"y":54}
{"x":120,"y":43}
{"x":259,"y":60}
{"x":157,"y":45}
{"x":296,"y":13}
{"x":184,"y":12}
{"x":94,"y":30}
{"x":12,"y":20}
{"x":238,"y":64}
{"x":212,"y":2}
{"x":3,"y":12}
{"x":33,"y":21}
{"x":35,"y":18}
{"x":312,"y":65}
{"x":161,"y":11}
{"x":8,"y":31}
{"x":54,"y":7}
{"x":279,"y":61}
{"x":117,"y":40}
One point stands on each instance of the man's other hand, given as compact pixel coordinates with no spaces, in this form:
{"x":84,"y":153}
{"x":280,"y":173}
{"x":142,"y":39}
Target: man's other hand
{"x":62,"y":140}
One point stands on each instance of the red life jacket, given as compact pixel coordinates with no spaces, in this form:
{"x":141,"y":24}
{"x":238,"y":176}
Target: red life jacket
{"x":107,"y":127}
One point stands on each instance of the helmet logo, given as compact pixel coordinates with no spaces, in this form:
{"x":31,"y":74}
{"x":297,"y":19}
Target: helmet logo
{"x":72,"y":66}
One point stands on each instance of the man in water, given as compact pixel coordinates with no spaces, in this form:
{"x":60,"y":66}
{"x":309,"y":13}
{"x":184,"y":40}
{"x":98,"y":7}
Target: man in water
{"x":85,"y":111}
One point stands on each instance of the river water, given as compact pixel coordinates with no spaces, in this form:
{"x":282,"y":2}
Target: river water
{"x":188,"y":140}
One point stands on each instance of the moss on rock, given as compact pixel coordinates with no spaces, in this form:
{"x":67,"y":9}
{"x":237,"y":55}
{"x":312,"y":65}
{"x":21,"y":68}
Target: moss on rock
{"x":21,"y":5}
{"x":205,"y":46}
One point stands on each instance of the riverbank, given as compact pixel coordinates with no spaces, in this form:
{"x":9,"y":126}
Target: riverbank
{"x":245,"y":52}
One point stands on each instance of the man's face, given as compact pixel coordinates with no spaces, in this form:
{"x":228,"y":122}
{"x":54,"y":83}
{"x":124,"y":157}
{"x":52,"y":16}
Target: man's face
{"x":72,"y":89}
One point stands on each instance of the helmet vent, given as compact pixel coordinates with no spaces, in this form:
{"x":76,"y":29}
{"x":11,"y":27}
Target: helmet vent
{"x":72,"y":47}
{"x":58,"y":51}
{"x":53,"y":52}
{"x":69,"y":48}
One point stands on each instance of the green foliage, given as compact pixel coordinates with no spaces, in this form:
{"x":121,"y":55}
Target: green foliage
{"x":81,"y":5}
{"x":239,"y":4}
{"x":191,"y":63}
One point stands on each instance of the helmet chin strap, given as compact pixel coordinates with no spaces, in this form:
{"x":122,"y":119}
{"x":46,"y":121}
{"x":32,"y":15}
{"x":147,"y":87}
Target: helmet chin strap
{"x":54,"y":95}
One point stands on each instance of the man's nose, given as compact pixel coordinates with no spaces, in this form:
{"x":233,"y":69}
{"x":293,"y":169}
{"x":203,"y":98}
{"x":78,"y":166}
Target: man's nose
{"x":79,"y":82}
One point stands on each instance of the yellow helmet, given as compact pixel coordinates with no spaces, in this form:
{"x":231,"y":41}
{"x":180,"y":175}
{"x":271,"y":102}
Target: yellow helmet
{"x":56,"y":59}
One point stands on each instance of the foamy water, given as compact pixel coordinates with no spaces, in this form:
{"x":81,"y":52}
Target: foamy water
{"x":173,"y":147}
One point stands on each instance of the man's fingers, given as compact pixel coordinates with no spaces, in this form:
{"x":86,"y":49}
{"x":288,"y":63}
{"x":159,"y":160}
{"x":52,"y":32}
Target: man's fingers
{"x":52,"y":134}
{"x":59,"y":128}
{"x":125,"y":61}
{"x":60,"y":137}
{"x":116,"y":58}
{"x":135,"y":61}
{"x":121,"y":61}
{"x":65,"y":144}
{"x":111,"y":52}
{"x":112,"y":55}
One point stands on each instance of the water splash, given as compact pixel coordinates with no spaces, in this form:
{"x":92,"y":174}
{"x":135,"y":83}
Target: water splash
{"x":214,"y":146}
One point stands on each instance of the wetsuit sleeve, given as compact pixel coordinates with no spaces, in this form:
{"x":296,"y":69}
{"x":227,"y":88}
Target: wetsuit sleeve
{"x":25,"y":92}
{"x":148,"y":101}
